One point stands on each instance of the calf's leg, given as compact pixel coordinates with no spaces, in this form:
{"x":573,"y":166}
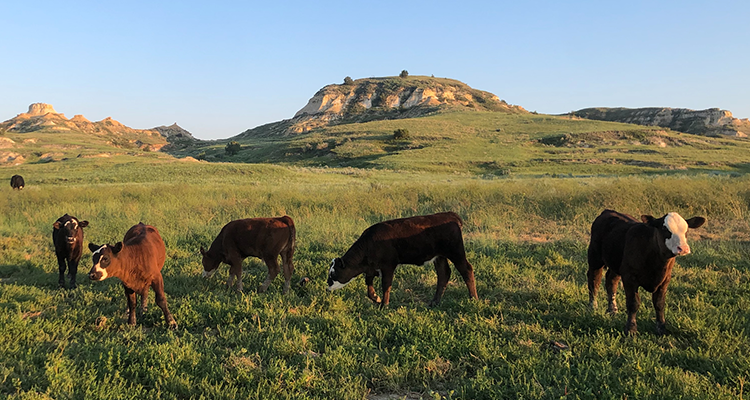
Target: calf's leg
{"x":386,"y":279}
{"x":72,"y":272}
{"x":594,"y":274}
{"x":659,"y":299}
{"x":130,"y":295}
{"x":369,"y":277}
{"x":467,"y":273}
{"x":273,"y":269}
{"x":286,"y":262}
{"x":235,"y":271}
{"x":633,"y":302}
{"x":61,"y":266}
{"x":161,"y":300}
{"x":612,"y":279}
{"x":443,"y":276}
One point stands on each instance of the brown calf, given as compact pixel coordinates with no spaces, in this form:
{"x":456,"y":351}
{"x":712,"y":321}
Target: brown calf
{"x":265,"y":238}
{"x":137,"y":261}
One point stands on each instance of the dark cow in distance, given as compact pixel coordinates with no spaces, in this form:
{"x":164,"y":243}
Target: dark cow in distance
{"x":641,"y":253}
{"x":137,"y":261}
{"x":16,"y":182}
{"x":67,"y":236}
{"x":264,"y":238}
{"x":415,"y":240}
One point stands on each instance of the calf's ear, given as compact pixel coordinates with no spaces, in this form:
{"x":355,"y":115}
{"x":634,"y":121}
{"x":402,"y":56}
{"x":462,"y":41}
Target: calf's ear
{"x":56,"y":225}
{"x":83,"y":224}
{"x":646,"y":218}
{"x":94,"y":247}
{"x":116,"y":248}
{"x":696,"y":222}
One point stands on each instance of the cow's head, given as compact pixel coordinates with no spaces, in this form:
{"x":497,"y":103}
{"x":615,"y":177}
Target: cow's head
{"x":339,"y":275}
{"x":102,"y":258}
{"x":672,"y":229}
{"x":210,"y":263}
{"x":71,"y":227}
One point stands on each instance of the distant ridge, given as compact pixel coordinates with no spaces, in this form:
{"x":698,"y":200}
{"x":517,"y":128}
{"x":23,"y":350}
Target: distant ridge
{"x":42,"y":117}
{"x":709,"y":122}
{"x":371,"y":99}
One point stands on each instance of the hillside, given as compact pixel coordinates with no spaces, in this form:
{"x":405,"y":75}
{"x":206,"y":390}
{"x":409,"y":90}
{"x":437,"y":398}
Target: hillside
{"x":43,"y":135}
{"x":371,"y":99}
{"x":492,"y":144}
{"x":710,"y":122}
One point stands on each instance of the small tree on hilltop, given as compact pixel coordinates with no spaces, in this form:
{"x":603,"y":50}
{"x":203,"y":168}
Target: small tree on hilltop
{"x":401,"y":134}
{"x":348,"y":80}
{"x":403,"y":74}
{"x":232,"y":148}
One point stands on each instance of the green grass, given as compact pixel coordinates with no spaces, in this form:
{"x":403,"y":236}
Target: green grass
{"x":526,"y":238}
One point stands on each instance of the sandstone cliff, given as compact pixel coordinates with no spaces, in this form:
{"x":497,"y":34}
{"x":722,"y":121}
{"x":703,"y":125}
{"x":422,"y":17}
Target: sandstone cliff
{"x":385,"y":98}
{"x":710,"y":122}
{"x":43,"y":117}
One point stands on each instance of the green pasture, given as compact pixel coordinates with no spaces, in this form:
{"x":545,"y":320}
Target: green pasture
{"x":531,"y":335}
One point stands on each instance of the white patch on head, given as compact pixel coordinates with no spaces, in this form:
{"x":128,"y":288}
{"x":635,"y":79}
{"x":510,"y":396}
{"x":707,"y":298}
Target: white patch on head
{"x":677,"y":244}
{"x":337,"y":285}
{"x":103,"y":271}
{"x":99,"y":250}
{"x":207,"y":274}
{"x":333,"y":263}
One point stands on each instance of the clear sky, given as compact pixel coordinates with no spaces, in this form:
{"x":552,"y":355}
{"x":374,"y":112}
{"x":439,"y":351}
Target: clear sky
{"x":218,"y":68}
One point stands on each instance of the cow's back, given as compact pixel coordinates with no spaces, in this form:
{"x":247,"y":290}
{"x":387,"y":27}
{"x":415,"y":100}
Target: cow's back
{"x":608,"y":233}
{"x":145,"y":246}
{"x":258,"y":237}
{"x":413,"y":240}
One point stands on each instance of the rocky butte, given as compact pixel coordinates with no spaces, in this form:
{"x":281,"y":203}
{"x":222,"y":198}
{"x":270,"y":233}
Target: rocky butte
{"x":371,"y":99}
{"x":710,"y":122}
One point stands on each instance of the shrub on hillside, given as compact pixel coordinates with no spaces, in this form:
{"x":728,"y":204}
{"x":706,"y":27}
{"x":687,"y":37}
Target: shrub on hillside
{"x":401,"y":134}
{"x":348,"y":80}
{"x":403,"y":74}
{"x":232,"y":148}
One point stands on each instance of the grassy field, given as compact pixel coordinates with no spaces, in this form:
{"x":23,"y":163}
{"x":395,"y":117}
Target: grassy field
{"x":526,"y":238}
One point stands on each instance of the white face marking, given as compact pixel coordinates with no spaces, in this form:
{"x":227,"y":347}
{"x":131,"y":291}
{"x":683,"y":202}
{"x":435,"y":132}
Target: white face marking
{"x":103,"y":271}
{"x":677,"y":244}
{"x":337,"y":285}
{"x":330,"y":271}
{"x":99,"y":250}
{"x":207,"y":274}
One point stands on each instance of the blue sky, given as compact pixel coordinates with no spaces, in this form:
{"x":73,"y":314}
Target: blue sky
{"x":219,"y":68}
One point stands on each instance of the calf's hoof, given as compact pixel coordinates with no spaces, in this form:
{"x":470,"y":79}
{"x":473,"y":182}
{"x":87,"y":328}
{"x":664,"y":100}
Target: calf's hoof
{"x":631,"y":329}
{"x":612,"y":310}
{"x":661,"y":329}
{"x":593,"y":305}
{"x":172,"y":324}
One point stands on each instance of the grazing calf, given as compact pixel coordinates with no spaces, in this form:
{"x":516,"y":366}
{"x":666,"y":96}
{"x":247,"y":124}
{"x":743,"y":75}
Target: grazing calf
{"x":16,"y":182}
{"x":67,"y":236}
{"x":415,"y":240}
{"x":641,"y":253}
{"x":265,"y":238}
{"x":137,"y":261}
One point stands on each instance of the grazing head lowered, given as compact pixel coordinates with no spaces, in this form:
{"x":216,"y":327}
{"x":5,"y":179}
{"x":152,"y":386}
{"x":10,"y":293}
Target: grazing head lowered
{"x":434,"y":238}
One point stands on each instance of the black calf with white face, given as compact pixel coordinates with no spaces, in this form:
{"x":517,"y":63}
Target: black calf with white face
{"x":67,"y":236}
{"x":339,"y":276}
{"x":672,"y":229}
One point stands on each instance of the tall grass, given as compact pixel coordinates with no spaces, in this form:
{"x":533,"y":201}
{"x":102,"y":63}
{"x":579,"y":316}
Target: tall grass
{"x":526,"y":239}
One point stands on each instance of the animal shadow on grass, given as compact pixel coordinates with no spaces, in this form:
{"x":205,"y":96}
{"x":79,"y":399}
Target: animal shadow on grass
{"x":28,"y":274}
